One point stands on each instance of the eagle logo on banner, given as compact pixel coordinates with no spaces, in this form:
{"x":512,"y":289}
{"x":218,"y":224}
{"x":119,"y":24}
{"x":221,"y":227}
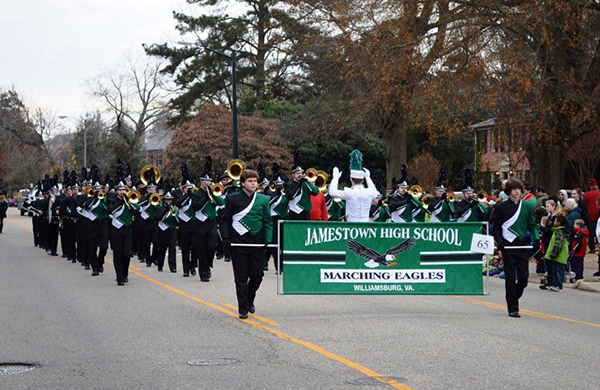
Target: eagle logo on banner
{"x":375,"y":258}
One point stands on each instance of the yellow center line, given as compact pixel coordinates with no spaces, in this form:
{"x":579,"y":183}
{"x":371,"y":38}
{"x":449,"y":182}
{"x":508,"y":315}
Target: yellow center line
{"x":19,"y":225}
{"x":528,"y":312}
{"x":260,"y":318}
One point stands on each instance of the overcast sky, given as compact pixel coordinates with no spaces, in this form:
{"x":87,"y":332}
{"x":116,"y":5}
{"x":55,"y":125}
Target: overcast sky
{"x":51,"y":47}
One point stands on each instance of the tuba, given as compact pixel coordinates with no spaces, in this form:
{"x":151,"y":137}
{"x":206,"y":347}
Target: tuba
{"x":321,"y":181}
{"x":145,"y":174}
{"x":235,"y":169}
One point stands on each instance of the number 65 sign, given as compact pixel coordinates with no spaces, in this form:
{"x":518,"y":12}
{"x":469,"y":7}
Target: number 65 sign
{"x":482,"y":244}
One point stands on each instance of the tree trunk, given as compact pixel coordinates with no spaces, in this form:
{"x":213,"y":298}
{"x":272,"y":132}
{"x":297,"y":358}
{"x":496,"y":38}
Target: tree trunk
{"x":547,"y":164}
{"x":395,"y":156}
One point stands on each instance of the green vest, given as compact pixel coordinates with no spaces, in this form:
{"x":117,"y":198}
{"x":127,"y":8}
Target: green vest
{"x":254,"y":218}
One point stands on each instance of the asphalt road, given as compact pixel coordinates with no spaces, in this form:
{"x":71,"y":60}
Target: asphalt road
{"x":85,"y":332}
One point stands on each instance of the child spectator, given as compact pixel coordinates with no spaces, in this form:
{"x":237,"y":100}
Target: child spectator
{"x":558,"y":253}
{"x":579,"y":248}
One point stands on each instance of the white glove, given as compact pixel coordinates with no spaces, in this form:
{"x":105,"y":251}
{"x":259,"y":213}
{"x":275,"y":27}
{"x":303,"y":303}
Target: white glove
{"x":367,"y":173}
{"x":336,"y":173}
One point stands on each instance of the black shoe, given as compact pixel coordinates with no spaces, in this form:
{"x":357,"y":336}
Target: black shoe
{"x":120,"y":283}
{"x":243,"y":316}
{"x":148,"y":264}
{"x":87,"y":267}
{"x":64,"y":256}
{"x":514,"y":314}
{"x":142,"y":260}
{"x":95,"y":273}
{"x":73,"y":261}
{"x":186,"y":274}
{"x":126,"y":280}
{"x":543,"y":287}
{"x":204,"y":279}
{"x":159,"y":269}
{"x":252,"y":309}
{"x":193,"y":271}
{"x":597,"y":273}
{"x":101,"y":269}
{"x":227,"y":259}
{"x":53,"y":254}
{"x":265,"y":268}
{"x":173,"y":270}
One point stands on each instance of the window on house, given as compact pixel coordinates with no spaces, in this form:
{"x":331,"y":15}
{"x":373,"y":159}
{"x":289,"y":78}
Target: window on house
{"x":159,"y":160}
{"x":494,"y":141}
{"x":509,"y":140}
{"x":484,"y":141}
{"x":150,"y":159}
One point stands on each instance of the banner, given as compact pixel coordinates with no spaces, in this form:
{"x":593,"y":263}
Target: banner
{"x":381,"y":258}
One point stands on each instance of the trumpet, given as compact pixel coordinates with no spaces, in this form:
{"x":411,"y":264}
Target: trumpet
{"x":155,"y":199}
{"x":173,"y":211}
{"x":101,"y":195}
{"x":88,"y":192}
{"x":451,"y":196}
{"x":321,"y":181}
{"x":145,"y":174}
{"x":235,"y":169}
{"x":416,"y":191}
{"x":482,"y":196}
{"x":425,"y":200}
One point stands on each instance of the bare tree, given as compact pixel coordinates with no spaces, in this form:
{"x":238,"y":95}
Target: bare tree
{"x":136,"y":95}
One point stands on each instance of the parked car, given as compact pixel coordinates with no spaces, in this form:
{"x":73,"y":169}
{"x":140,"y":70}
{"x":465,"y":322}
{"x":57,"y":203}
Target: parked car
{"x":23,"y":194}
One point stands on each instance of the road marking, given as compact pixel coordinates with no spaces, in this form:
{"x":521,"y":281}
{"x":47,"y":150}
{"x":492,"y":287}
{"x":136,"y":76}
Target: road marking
{"x":260,"y":318}
{"x":19,"y":225}
{"x":528,"y":312}
{"x":364,"y":370}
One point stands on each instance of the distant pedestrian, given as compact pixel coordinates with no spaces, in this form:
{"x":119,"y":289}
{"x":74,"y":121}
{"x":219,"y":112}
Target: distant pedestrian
{"x":554,"y":209}
{"x":541,"y":195}
{"x":529,"y":195}
{"x":585,"y":213}
{"x":591,"y":200}
{"x":573,"y":213}
{"x":558,"y":253}
{"x":3,"y":208}
{"x":562,"y":197}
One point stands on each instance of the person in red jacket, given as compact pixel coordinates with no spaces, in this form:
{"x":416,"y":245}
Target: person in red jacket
{"x":319,"y":208}
{"x":579,"y":247}
{"x":591,"y":200}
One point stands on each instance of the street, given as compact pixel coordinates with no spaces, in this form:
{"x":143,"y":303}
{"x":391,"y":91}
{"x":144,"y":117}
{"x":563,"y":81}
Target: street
{"x":85,"y":332}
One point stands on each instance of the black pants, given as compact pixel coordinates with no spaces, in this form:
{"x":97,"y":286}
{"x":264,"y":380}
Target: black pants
{"x":52,"y":238}
{"x":81,"y":237}
{"x":67,"y":238}
{"x":577,"y":267}
{"x":188,"y":254}
{"x":97,"y":243}
{"x":36,"y":232}
{"x":205,"y":244}
{"x":1,"y":224}
{"x":592,"y":236}
{"x":137,"y":240}
{"x":248,"y":273}
{"x":167,"y":239}
{"x":43,"y":232}
{"x":120,"y":242}
{"x":149,"y":239}
{"x":303,"y":216}
{"x":272,"y":252}
{"x":519,"y":259}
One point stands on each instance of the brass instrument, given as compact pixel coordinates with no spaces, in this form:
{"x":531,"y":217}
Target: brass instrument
{"x":173,"y":211}
{"x":101,"y":195}
{"x":155,"y":199}
{"x":416,"y":191}
{"x":235,"y":169}
{"x":133,"y":196}
{"x":482,"y":196}
{"x":272,"y":187}
{"x":88,"y":192}
{"x":337,"y":199}
{"x":144,"y":174}
{"x":321,"y":181}
{"x":425,"y":200}
{"x":311,"y":174}
{"x":217,"y":189}
{"x":384,"y":203}
{"x":451,"y":196}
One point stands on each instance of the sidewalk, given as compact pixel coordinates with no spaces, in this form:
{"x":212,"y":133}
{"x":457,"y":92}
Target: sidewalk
{"x":589,"y":283}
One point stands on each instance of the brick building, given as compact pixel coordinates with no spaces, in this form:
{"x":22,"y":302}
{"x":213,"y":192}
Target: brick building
{"x":155,"y":145}
{"x":501,"y":149}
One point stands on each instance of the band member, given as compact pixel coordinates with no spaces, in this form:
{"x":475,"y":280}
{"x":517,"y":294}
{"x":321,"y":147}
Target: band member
{"x":97,"y":229}
{"x":441,"y":209}
{"x":470,"y":209}
{"x":246,"y":226}
{"x":52,"y":211}
{"x":358,"y":198}
{"x":204,"y":204}
{"x":402,"y":204}
{"x":336,"y":208}
{"x":167,"y":215}
{"x":185,"y":233}
{"x":298,"y":192}
{"x":68,"y":214}
{"x":83,"y":224}
{"x":278,"y":203}
{"x":148,"y":224}
{"x":379,"y":212}
{"x":513,"y":218}
{"x":120,"y":210}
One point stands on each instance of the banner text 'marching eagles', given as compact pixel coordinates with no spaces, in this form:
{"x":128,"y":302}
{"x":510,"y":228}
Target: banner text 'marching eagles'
{"x":318,"y":235}
{"x":383,"y":276}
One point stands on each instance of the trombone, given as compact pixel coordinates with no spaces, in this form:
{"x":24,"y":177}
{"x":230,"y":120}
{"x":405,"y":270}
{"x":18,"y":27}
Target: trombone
{"x":155,"y":200}
{"x":416,"y":191}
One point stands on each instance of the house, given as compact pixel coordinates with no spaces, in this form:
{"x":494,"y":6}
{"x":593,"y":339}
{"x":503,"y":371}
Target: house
{"x":155,"y":145}
{"x":501,"y":149}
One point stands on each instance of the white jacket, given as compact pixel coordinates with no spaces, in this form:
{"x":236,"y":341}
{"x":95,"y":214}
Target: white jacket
{"x":358,"y":199}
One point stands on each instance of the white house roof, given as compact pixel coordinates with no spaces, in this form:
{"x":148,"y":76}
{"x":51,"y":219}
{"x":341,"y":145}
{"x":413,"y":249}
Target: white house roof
{"x":487,"y":123}
{"x":158,"y":140}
